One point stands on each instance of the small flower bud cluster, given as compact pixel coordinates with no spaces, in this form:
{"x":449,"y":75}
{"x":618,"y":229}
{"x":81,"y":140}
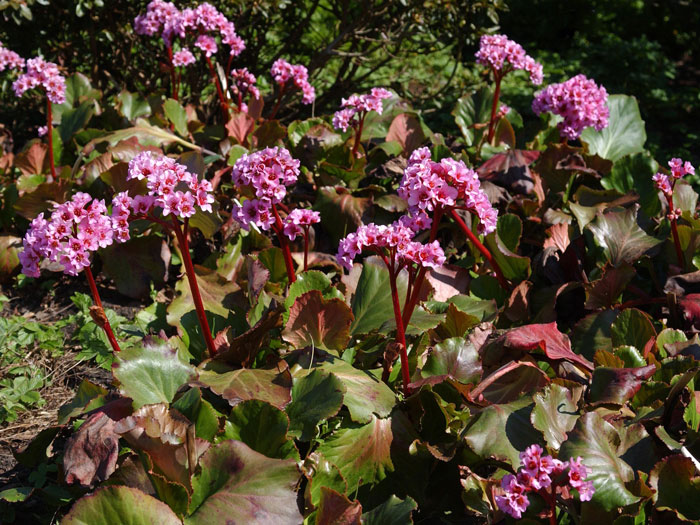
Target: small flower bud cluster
{"x":282,"y":72}
{"x":427,"y":185}
{"x":497,"y":50}
{"x":355,"y":107}
{"x":170,"y":187}
{"x":243,"y":82}
{"x":184,"y":57}
{"x":166,"y":19}
{"x":268,"y":172}
{"x":45,"y":74}
{"x":396,"y":238}
{"x":74,"y":230}
{"x":678,"y":170}
{"x":298,"y":222}
{"x":579,"y":101}
{"x":540,"y":473}
{"x":9,"y":59}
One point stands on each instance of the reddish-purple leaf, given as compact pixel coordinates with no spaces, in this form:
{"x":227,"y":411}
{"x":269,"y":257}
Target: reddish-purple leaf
{"x":618,"y":385}
{"x":33,"y":160}
{"x":315,"y":320}
{"x":510,"y":381}
{"x":337,"y":509}
{"x":511,"y":169}
{"x":604,"y":292}
{"x":547,"y":337}
{"x":91,"y":453}
{"x":406,"y":130}
{"x":239,"y":127}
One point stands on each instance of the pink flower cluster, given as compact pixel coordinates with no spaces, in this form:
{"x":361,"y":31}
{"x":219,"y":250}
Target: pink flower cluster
{"x":497,"y":50}
{"x":298,"y":222}
{"x":397,"y":239}
{"x":427,"y":185}
{"x":167,"y":19}
{"x":268,"y":172}
{"x":282,"y":72}
{"x":243,"y":82}
{"x":170,"y":187}
{"x":44,"y":74}
{"x":579,"y":101}
{"x":9,"y":59}
{"x":357,"y":106}
{"x":540,"y":473}
{"x":184,"y":57}
{"x":74,"y":230}
{"x":678,"y":170}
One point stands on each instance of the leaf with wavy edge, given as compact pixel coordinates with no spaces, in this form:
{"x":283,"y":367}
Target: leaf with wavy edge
{"x":316,"y":321}
{"x":555,"y":414}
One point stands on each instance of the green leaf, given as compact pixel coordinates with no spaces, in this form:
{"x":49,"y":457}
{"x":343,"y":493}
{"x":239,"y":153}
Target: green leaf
{"x":323,"y":473}
{"x":634,"y":173}
{"x":73,"y":120}
{"x":177,"y":115}
{"x":109,"y":505}
{"x":133,"y":105}
{"x":454,"y":358}
{"x":271,"y":385}
{"x":621,"y":238}
{"x":341,"y":212}
{"x":88,"y":397}
{"x":273,"y":260}
{"x":216,"y":293}
{"x":365,"y":464}
{"x":372,"y":304}
{"x":632,"y":327}
{"x":676,"y":487}
{"x":625,"y":133}
{"x":263,"y":428}
{"x":503,"y":431}
{"x":307,"y":281}
{"x":238,"y":485}
{"x":554,"y":415}
{"x":473,"y":109}
{"x":200,"y":412}
{"x":151,"y":373}
{"x":503,"y":242}
{"x":393,"y":511}
{"x":16,"y":494}
{"x":593,"y":333}
{"x":315,"y":398}
{"x":599,"y":444}
{"x":147,"y":134}
{"x":78,"y":90}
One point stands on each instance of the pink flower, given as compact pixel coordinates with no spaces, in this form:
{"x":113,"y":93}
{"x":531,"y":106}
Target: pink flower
{"x":299,"y":220}
{"x":579,"y":101}
{"x":282,"y":72}
{"x":43,"y":130}
{"x":207,"y":44}
{"x":9,"y":59}
{"x":663,"y":184}
{"x":243,"y":82}
{"x":184,"y":57}
{"x":680,"y":168}
{"x":44,"y":74}
{"x":500,"y":53}
{"x":357,"y":106}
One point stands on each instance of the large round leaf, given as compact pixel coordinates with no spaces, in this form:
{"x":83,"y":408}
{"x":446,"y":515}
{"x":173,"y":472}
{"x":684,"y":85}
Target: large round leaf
{"x":554,"y":414}
{"x":316,"y":321}
{"x":393,"y":511}
{"x":263,"y":428}
{"x":110,"y":505}
{"x":677,"y":487}
{"x":315,"y":397}
{"x":599,"y":444}
{"x":621,"y":238}
{"x":625,"y":133}
{"x":454,"y":358}
{"x":238,"y":485}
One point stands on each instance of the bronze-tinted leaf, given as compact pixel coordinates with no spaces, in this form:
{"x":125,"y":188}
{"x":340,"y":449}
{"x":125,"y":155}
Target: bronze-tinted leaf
{"x":547,"y":337}
{"x":617,"y":385}
{"x":315,"y":320}
{"x":91,"y":453}
{"x":337,"y":509}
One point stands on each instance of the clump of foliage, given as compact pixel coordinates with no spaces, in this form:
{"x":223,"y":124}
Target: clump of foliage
{"x":495,"y":326}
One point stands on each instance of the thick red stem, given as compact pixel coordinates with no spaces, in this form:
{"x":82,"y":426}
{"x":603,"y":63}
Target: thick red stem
{"x":288,"y":262}
{"x":484,"y":251}
{"x":49,"y":128}
{"x":173,"y":81}
{"x":358,"y":136}
{"x":279,"y":101}
{"x":98,"y":302}
{"x":306,"y":248}
{"x":194,"y":287}
{"x":674,"y":232}
{"x":219,"y":91}
{"x":494,"y":106}
{"x":400,"y":334}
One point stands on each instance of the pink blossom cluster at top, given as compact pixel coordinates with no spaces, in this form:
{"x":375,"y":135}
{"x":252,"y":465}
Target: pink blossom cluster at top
{"x":282,"y":72}
{"x":397,"y":239}
{"x":678,"y":170}
{"x":541,"y":473}
{"x":166,"y":19}
{"x":74,"y":230}
{"x":497,"y":50}
{"x":357,"y":106}
{"x":170,"y":187}
{"x":243,"y":82}
{"x":298,"y":222}
{"x":45,"y":74}
{"x":268,"y":172}
{"x":184,"y":57}
{"x":9,"y":59}
{"x":427,"y":185}
{"x":579,"y":101}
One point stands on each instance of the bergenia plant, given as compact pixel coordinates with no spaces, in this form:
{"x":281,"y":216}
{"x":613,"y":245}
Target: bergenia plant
{"x":266,"y":174}
{"x":355,"y":109}
{"x":579,"y":101}
{"x":289,"y":77}
{"x":502,"y":56}
{"x":74,"y":230}
{"x":201,"y":25}
{"x":299,"y":222}
{"x":9,"y":59}
{"x":546,"y":476}
{"x":44,"y":75}
{"x":396,"y":246}
{"x":666,"y":185}
{"x":442,"y":188}
{"x":242,"y":85}
{"x":174,"y":194}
